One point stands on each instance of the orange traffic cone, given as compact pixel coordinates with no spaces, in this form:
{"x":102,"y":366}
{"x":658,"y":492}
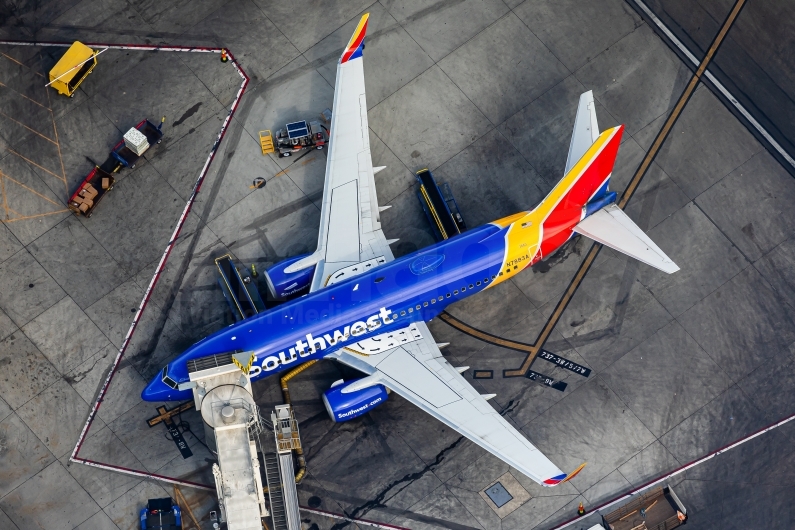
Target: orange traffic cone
{"x":581,"y":510}
{"x":224,"y":55}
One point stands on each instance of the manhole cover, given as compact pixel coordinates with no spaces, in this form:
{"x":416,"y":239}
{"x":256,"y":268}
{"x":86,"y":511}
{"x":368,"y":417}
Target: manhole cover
{"x":499,"y":495}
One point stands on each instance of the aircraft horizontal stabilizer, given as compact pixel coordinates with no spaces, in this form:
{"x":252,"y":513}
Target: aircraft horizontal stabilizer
{"x":611,"y":227}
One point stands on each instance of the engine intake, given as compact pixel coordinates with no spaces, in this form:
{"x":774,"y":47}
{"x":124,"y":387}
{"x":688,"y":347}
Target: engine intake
{"x":344,"y":406}
{"x":284,"y":286}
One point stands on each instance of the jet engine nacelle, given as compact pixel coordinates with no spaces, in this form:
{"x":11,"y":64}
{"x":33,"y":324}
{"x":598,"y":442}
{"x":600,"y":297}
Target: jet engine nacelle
{"x":344,"y":406}
{"x":284,"y":286}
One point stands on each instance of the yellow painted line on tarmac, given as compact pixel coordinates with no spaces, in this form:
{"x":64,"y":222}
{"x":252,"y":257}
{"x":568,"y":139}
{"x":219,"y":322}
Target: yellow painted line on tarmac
{"x":533,"y":350}
{"x":34,"y":131}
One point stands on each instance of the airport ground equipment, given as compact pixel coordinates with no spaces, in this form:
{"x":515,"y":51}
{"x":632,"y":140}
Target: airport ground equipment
{"x":300,"y":135}
{"x":285,"y":431}
{"x":266,"y":142}
{"x":88,"y":194}
{"x":439,"y":206}
{"x":73,"y":68}
{"x":239,"y":290}
{"x":161,"y":514}
{"x":657,"y":509}
{"x":137,"y":141}
{"x":222,"y":393}
{"x":242,"y":441}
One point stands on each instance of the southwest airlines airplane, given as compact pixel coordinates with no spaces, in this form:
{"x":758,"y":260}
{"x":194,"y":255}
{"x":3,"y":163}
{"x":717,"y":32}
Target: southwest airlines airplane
{"x":368,"y":310}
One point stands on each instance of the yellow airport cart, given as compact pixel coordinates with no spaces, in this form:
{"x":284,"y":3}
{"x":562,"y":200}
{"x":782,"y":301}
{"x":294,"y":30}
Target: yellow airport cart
{"x":73,"y":68}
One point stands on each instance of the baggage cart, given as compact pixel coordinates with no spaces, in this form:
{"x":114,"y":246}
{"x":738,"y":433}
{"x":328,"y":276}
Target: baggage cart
{"x":72,"y":69}
{"x":128,"y":156}
{"x":93,"y":188}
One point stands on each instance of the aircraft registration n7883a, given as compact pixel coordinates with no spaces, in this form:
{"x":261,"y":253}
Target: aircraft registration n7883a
{"x":368,"y":310}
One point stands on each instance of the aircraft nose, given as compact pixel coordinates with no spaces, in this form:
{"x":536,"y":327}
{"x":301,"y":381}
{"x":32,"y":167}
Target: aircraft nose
{"x":154,"y":391}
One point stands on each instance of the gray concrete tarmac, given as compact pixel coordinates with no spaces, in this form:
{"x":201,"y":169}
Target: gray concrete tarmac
{"x":483,"y":92}
{"x":756,"y":61}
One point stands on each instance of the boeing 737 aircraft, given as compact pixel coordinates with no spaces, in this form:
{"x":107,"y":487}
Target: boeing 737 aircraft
{"x":368,"y":310}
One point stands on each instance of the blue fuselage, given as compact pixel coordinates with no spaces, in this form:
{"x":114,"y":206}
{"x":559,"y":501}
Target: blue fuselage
{"x":415,"y":287}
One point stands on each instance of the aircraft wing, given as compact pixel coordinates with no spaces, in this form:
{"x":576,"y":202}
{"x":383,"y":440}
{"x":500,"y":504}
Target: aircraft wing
{"x":417,"y":371}
{"x":350,"y":227}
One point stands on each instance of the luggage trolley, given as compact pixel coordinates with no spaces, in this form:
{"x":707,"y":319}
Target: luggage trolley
{"x":137,"y":141}
{"x":91,"y":191}
{"x":72,"y":69}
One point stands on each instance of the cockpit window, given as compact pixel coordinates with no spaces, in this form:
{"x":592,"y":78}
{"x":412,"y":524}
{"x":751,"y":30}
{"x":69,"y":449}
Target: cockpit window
{"x":167,"y":380}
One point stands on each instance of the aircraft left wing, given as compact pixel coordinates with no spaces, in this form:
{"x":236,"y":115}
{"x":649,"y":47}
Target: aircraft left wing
{"x":409,"y":362}
{"x":350,"y":235}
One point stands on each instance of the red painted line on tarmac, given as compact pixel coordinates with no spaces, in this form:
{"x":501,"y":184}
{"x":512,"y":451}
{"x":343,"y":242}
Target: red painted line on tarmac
{"x":143,"y":474}
{"x":142,"y":47}
{"x":682,"y":469}
{"x":158,"y":271}
{"x":164,"y":258}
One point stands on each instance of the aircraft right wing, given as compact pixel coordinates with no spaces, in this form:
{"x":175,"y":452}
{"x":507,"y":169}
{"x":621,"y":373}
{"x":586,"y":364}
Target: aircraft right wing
{"x":409,"y":363}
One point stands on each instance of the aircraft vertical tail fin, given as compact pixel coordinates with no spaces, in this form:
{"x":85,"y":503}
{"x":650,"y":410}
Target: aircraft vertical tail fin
{"x":569,"y":200}
{"x":586,"y":130}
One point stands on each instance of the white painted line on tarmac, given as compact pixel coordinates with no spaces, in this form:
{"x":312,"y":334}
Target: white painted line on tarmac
{"x":691,"y":465}
{"x":717,"y":83}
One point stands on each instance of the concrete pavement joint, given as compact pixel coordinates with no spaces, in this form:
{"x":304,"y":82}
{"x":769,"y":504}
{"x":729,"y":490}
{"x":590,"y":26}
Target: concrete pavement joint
{"x":74,"y":457}
{"x":682,"y":469}
{"x":712,"y":79}
{"x":629,"y":191}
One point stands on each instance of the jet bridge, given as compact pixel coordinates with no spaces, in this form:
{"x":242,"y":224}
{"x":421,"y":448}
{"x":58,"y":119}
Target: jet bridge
{"x":222,"y":392}
{"x":241,"y":439}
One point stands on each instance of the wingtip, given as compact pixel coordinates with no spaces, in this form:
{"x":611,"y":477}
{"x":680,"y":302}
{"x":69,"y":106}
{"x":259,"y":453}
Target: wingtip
{"x":574,"y":473}
{"x":560,"y":479}
{"x":355,"y":46}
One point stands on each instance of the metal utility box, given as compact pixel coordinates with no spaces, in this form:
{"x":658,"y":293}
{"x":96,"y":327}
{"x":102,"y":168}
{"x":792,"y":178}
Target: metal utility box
{"x":73,"y":68}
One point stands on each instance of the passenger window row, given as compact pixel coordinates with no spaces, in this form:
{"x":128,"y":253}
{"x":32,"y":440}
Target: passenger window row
{"x":440,"y":298}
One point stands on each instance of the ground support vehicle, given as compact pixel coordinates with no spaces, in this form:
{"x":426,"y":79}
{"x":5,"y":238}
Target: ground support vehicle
{"x":300,"y":135}
{"x":439,"y":206}
{"x":161,"y":514}
{"x":126,"y":154}
{"x":657,"y":509}
{"x":240,"y":292}
{"x":91,"y":191}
